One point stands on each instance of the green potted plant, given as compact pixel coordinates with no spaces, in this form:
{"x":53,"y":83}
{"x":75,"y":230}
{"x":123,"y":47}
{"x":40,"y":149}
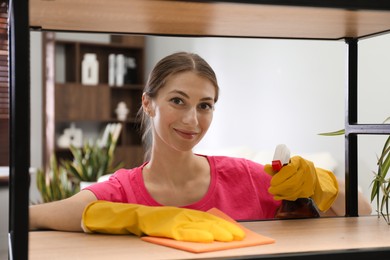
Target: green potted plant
{"x":381,"y":182}
{"x":95,"y":158}
{"x":55,"y":184}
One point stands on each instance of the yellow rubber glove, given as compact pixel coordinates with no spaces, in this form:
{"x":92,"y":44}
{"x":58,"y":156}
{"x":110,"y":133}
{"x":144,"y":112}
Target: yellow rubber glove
{"x":172,"y":222}
{"x":300,"y":179}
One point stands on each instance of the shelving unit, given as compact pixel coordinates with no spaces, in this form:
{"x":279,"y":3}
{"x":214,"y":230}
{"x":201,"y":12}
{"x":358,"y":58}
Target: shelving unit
{"x":328,"y":20}
{"x":91,"y":107}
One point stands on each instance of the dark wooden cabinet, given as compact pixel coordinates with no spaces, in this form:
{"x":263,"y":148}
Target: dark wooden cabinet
{"x":91,"y":107}
{"x":87,"y":102}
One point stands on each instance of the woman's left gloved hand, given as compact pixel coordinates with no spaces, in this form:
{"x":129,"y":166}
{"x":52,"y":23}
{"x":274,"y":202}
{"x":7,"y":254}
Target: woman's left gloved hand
{"x":161,"y":221}
{"x":300,"y":179}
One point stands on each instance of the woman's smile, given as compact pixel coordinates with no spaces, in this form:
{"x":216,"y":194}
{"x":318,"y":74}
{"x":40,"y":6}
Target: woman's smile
{"x":186,"y":134}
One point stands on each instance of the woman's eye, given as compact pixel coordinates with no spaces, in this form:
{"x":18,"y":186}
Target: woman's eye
{"x":177,"y":101}
{"x":206,"y":106}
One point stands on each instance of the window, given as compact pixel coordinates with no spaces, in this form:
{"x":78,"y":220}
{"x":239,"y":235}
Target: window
{"x":4,"y":86}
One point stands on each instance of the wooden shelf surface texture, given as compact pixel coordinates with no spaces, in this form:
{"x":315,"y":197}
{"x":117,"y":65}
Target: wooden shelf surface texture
{"x":330,"y":20}
{"x":331,"y":238}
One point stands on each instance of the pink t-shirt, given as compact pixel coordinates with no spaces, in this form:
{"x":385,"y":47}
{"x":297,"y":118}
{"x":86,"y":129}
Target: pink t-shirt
{"x":238,"y":187}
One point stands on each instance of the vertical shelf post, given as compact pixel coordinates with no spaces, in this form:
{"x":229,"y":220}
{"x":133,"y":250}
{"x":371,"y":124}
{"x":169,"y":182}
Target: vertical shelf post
{"x":19,"y":39}
{"x":351,"y":147}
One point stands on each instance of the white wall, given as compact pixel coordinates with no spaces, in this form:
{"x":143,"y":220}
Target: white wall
{"x":272,"y":91}
{"x":4,"y":222}
{"x":374,"y":94}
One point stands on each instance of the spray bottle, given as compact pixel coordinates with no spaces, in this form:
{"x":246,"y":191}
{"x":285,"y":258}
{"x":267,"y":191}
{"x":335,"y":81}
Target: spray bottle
{"x":300,"y":208}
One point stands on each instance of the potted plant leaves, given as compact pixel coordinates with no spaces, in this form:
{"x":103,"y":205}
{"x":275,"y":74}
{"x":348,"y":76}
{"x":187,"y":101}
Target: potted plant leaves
{"x":95,"y":158}
{"x":381,"y":182}
{"x":55,"y":184}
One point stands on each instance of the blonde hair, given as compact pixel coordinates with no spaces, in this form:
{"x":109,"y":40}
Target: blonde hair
{"x":166,"y":67}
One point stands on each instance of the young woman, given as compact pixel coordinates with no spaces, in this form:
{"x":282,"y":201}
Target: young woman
{"x":177,"y":110}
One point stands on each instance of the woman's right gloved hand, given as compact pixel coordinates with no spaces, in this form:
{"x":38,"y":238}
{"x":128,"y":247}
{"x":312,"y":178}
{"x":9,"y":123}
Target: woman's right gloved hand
{"x":300,"y":179}
{"x":171,"y":222}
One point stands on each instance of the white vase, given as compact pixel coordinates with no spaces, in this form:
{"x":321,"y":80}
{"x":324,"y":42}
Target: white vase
{"x":71,"y":136}
{"x":120,"y":70}
{"x":90,"y":69}
{"x":111,"y":69}
{"x":121,"y":111}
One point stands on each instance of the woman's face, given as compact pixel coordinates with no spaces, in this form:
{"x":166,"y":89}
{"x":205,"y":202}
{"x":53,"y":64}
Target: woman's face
{"x":182,"y":111}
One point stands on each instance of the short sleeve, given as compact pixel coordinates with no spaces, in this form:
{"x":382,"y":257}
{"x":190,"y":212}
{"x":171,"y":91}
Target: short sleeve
{"x":118,"y":188}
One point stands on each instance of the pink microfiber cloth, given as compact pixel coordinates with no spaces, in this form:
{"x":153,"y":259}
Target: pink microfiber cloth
{"x":251,"y":239}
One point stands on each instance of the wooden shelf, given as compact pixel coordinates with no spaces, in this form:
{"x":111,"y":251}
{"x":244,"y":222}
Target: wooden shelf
{"x":323,"y":238}
{"x":327,"y":20}
{"x":91,"y":107}
{"x":330,"y":20}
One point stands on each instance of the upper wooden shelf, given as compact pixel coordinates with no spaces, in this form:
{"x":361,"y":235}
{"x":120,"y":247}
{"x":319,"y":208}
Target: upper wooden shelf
{"x":321,"y":20}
